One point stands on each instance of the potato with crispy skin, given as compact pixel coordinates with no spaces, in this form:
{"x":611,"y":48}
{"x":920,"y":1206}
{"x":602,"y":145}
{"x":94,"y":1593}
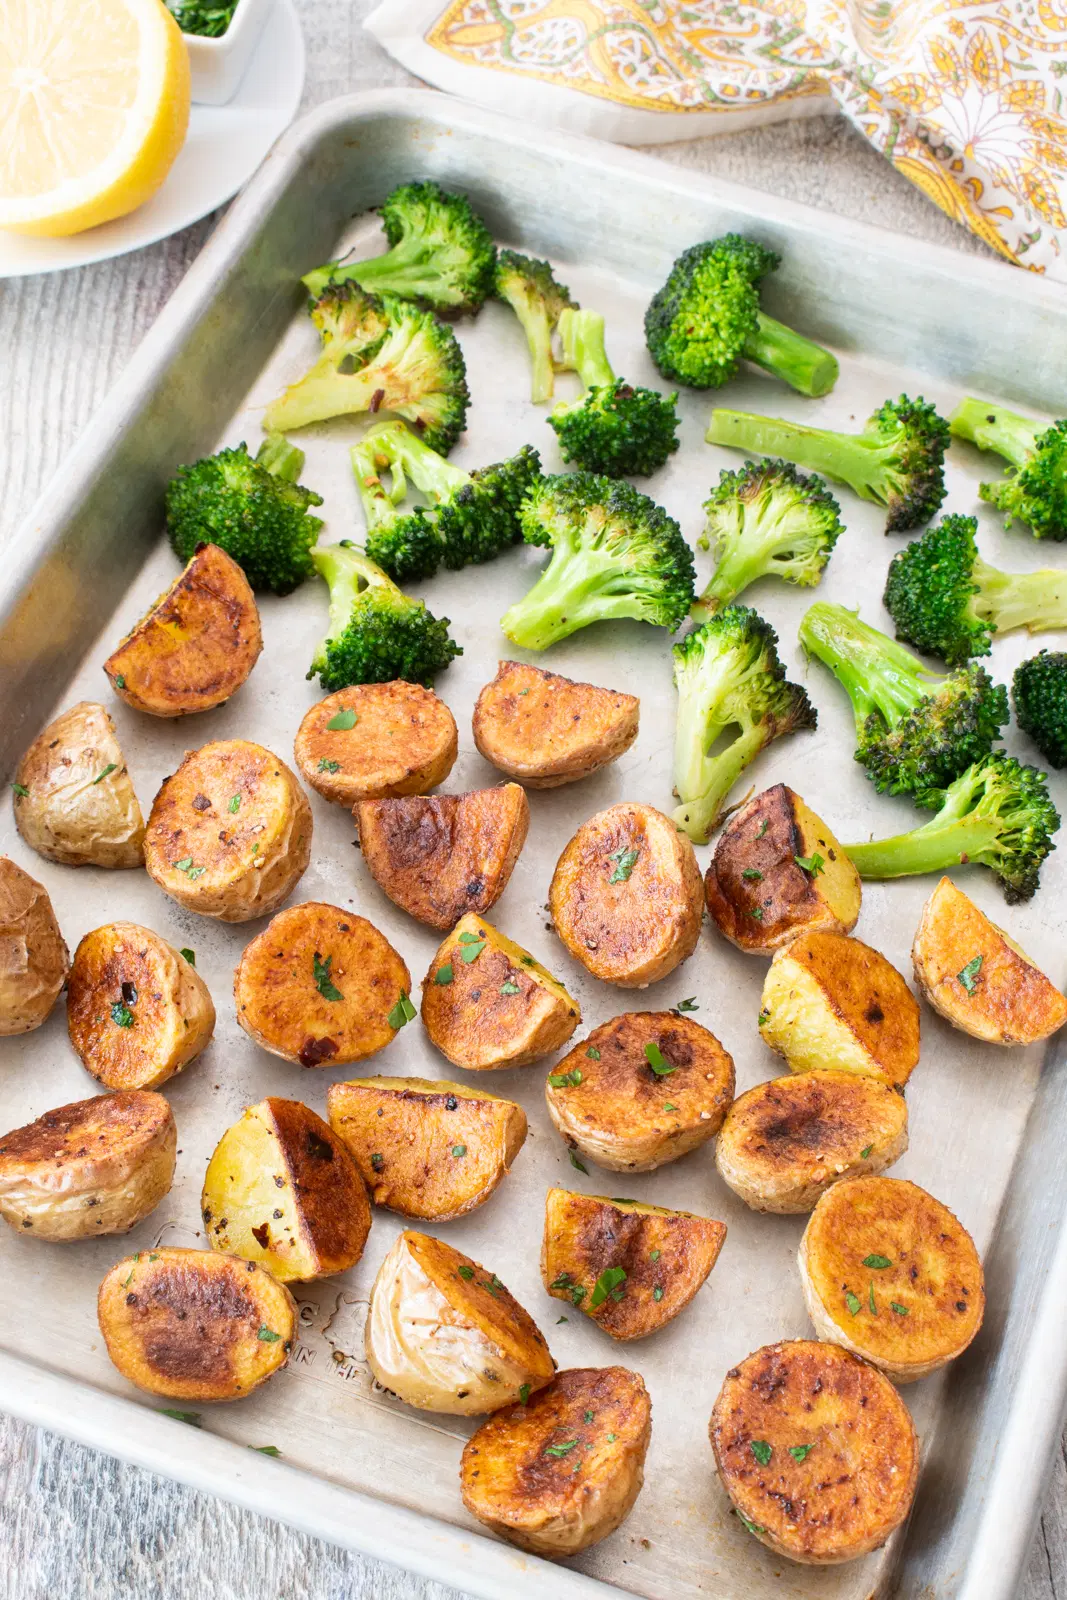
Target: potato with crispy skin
{"x":376,"y":740}
{"x":626,"y":896}
{"x":34,"y":960}
{"x":74,"y":801}
{"x":561,"y":1472}
{"x":544,"y":730}
{"x":816,"y":1450}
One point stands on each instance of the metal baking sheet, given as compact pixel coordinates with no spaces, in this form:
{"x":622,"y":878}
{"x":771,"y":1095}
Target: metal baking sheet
{"x":358,"y":1467}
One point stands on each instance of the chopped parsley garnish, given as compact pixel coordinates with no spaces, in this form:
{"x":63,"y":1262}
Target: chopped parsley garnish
{"x":654,"y":1255}
{"x":762,"y":829}
{"x":588,"y":1416}
{"x":192,"y":1418}
{"x":593,"y":1053}
{"x":459,"y":1151}
{"x":470,"y":948}
{"x":579,"y":1164}
{"x":625,"y":861}
{"x":970,"y":973}
{"x":753,"y":1527}
{"x":110,"y":768}
{"x":876,"y":1261}
{"x":752,"y":874}
{"x":901,"y":1311}
{"x":402,"y":1013}
{"x":326,"y":765}
{"x":688,"y":1005}
{"x":657,"y":1293}
{"x":21,"y":790}
{"x":566,"y":1080}
{"x":377,"y":1161}
{"x":342,"y":722}
{"x":813,"y":864}
{"x":190,"y":955}
{"x":120,"y":681}
{"x":268,"y":1335}
{"x":612,"y":1437}
{"x":235,"y":802}
{"x":323,"y":982}
{"x":265,"y":1449}
{"x":507,"y":987}
{"x":558,"y":1450}
{"x":609,"y":1283}
{"x":799,"y":1451}
{"x":762,"y":1451}
{"x":492,"y":1284}
{"x":524,"y":1394}
{"x":757,"y":912}
{"x":467,"y":1273}
{"x":654,"y":1057}
{"x":443,"y":974}
{"x":121,"y":1015}
{"x":561,"y":1319}
{"x":870,"y":1298}
{"x":865,"y":1152}
{"x":854,"y":1305}
{"x":670,"y":1107}
{"x":186,"y":866}
{"x":763,"y":1018}
{"x":574,"y":1291}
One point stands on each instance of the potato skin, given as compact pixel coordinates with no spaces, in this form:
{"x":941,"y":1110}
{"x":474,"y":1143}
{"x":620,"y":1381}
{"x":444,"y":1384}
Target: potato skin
{"x":79,"y":807}
{"x":857,"y":1483}
{"x":547,"y":1504}
{"x":616,"y":1114}
{"x":404,"y":741}
{"x":637,"y":929}
{"x":544,"y":730}
{"x":34,"y":960}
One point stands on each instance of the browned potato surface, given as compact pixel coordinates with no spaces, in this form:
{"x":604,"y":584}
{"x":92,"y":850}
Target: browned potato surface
{"x":642,"y":1090}
{"x":562,"y":1471}
{"x":34,"y":960}
{"x":376,"y":740}
{"x":626,"y":896}
{"x":74,"y":801}
{"x":816,"y":1450}
{"x":544,"y":730}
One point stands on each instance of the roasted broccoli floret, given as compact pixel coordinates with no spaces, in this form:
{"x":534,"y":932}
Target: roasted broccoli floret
{"x":947,"y":601}
{"x":613,"y":428}
{"x":729,"y":678}
{"x":615,"y":553}
{"x":897,"y":461}
{"x":531,"y":290}
{"x":441,"y":252}
{"x":403,"y":542}
{"x":916,"y":731}
{"x":707,"y":318}
{"x":379,"y":355}
{"x":1036,"y":491}
{"x":1039,"y":690}
{"x":997,"y":813}
{"x":253,"y":509}
{"x":376,"y":633}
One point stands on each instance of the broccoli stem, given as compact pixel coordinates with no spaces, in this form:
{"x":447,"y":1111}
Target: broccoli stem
{"x":845,"y":457}
{"x":536,"y":324}
{"x":280,"y":458}
{"x":801,"y":363}
{"x":412,"y":456}
{"x":574,"y":590}
{"x":876,"y":673}
{"x":946,"y":841}
{"x":403,"y":270}
{"x":710,"y":778}
{"x":348,"y":572}
{"x":996,"y":428}
{"x":582,"y":337}
{"x":379,"y":503}
{"x":1033,"y":600}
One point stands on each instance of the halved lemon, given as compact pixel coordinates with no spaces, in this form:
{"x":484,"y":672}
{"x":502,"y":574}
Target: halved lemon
{"x":94,"y":107}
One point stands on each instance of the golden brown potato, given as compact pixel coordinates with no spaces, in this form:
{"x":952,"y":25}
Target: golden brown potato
{"x":193,"y":1325}
{"x":889,"y":1273}
{"x":544,"y":730}
{"x":376,"y":740}
{"x":74,"y":801}
{"x":84,"y":1170}
{"x":626,"y":896}
{"x":642,"y":1090}
{"x":229,"y":834}
{"x":977,"y":977}
{"x":785,"y":1142}
{"x":137,"y":1011}
{"x":321,"y":987}
{"x":487,"y":1003}
{"x":34,"y":960}
{"x":778,"y":871}
{"x":562,"y":1471}
{"x":816,"y":1450}
{"x":444,"y":1334}
{"x":831,"y":1001}
{"x":281,"y":1189}
{"x":630,"y":1267}
{"x":196,"y":646}
{"x":425,"y":1148}
{"x":440,"y":857}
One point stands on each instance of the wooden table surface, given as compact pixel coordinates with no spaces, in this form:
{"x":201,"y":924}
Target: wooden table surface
{"x":76,"y":1525}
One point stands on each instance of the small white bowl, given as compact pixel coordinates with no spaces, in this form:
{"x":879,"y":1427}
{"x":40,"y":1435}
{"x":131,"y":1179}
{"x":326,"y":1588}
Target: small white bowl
{"x":218,"y":65}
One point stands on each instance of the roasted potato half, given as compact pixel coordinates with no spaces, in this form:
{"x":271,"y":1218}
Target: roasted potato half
{"x":544,"y":730}
{"x":95,"y":1167}
{"x":630,"y":1267}
{"x":193,"y":1325}
{"x":642,"y":1090}
{"x":34,"y":960}
{"x":229,"y":834}
{"x":377,"y":740}
{"x":74,"y":801}
{"x":321,"y":987}
{"x":816,"y":1450}
{"x":890,"y":1273}
{"x":626,"y":896}
{"x":562,"y":1471}
{"x":831,"y":1001}
{"x":778,"y":871}
{"x":487,"y":1003}
{"x":424,"y":1148}
{"x":196,"y":646}
{"x":976,"y":976}
{"x":441,"y":857}
{"x":281,"y":1189}
{"x":445,"y":1335}
{"x":785,"y":1142}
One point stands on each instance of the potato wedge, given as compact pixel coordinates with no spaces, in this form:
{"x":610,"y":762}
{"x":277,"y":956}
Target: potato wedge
{"x":487,"y":1003}
{"x":778,"y":871}
{"x":74,"y":801}
{"x":445,"y":1335}
{"x":626,"y":896}
{"x":642,"y":1090}
{"x":425,"y":1148}
{"x":440,"y":857}
{"x":137,"y":1011}
{"x":630,"y":1267}
{"x":91,"y":1168}
{"x":281,"y":1189}
{"x":561,"y":1472}
{"x":544,"y":730}
{"x":831,"y":1001}
{"x":889,"y":1272}
{"x":229,"y":834}
{"x":977,"y":977}
{"x":34,"y":960}
{"x":376,"y":740}
{"x":193,"y":1325}
{"x":816,"y":1450}
{"x":321,"y":987}
{"x":195,"y":647}
{"x":785,"y":1142}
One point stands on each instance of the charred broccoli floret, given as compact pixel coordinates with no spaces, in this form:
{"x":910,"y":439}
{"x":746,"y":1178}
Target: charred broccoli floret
{"x":376,"y":633}
{"x":1039,"y":690}
{"x":613,"y":428}
{"x":530,"y":288}
{"x":1036,"y":491}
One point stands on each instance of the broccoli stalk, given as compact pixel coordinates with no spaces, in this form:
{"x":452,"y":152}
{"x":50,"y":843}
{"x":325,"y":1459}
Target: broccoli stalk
{"x":613,"y":428}
{"x":1039,"y":690}
{"x":530,"y":288}
{"x":403,"y":543}
{"x":376,"y":632}
{"x":1036,"y":491}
